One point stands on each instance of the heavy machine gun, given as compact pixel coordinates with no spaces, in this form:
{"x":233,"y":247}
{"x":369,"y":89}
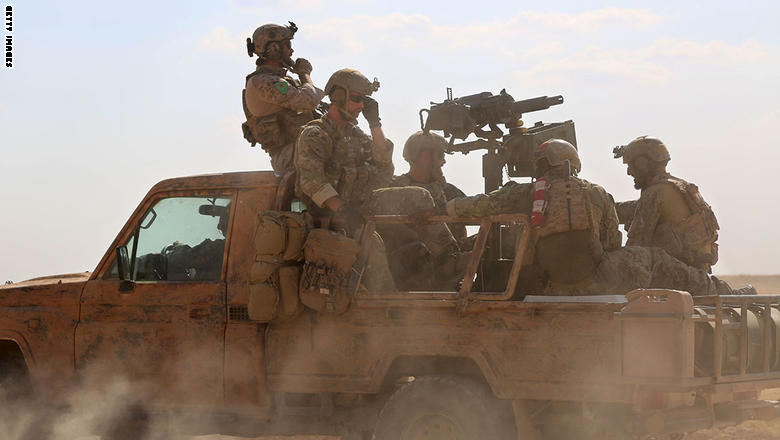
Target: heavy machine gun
{"x":461,"y":117}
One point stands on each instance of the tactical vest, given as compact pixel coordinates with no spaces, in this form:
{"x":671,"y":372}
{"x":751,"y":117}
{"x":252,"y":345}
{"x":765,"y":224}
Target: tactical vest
{"x":693,"y":239}
{"x":566,"y":230}
{"x":273,"y":132}
{"x":349,"y":168}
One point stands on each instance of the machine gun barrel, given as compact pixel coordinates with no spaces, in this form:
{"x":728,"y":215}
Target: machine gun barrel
{"x":536,"y":104}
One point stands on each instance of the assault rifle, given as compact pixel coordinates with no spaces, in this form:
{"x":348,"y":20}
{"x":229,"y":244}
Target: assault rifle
{"x":461,"y":117}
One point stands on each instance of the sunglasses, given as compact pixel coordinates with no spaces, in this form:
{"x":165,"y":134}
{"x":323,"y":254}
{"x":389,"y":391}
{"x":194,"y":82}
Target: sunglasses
{"x":356,"y":98}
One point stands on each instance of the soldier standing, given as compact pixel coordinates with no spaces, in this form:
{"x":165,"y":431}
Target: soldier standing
{"x":575,"y":237}
{"x":670,"y":213}
{"x":276,"y":106}
{"x":344,"y":174}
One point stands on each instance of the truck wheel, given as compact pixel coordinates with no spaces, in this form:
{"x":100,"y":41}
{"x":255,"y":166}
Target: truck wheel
{"x":440,"y":408}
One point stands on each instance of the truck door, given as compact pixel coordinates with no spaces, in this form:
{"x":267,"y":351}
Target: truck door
{"x":163,"y":332}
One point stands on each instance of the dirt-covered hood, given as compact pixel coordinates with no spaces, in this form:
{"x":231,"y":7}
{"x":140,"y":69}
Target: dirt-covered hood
{"x":68,"y":278}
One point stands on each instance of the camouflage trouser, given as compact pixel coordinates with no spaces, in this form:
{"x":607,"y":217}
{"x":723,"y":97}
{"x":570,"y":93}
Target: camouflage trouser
{"x":636,"y":267}
{"x":409,"y":200}
{"x":282,"y":159}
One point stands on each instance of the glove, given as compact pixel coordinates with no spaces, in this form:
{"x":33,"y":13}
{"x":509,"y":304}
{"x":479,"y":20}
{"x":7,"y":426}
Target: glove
{"x":371,"y":111}
{"x":351,"y":217}
{"x":302,"y":66}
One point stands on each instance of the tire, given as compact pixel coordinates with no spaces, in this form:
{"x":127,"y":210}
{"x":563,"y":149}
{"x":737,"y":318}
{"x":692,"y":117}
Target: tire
{"x":440,"y":408}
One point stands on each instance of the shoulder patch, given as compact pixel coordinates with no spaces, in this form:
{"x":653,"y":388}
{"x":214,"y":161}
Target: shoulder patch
{"x":282,"y":87}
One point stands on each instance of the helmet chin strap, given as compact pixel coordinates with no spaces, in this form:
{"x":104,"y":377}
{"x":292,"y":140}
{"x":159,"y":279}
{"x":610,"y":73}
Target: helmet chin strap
{"x":347,"y":116}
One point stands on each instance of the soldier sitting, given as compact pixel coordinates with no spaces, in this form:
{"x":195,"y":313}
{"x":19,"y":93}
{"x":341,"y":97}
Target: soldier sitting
{"x":670,"y":213}
{"x":424,"y":151}
{"x":575,"y":238}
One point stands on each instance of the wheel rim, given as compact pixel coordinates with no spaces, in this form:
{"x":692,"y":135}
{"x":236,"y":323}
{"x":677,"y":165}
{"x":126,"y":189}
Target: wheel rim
{"x":432,"y":427}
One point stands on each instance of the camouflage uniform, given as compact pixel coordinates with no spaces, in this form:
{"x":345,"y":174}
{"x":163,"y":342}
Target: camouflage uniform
{"x":333,"y":161}
{"x":276,"y":107}
{"x":442,"y":192}
{"x":672,"y":215}
{"x":617,"y":270}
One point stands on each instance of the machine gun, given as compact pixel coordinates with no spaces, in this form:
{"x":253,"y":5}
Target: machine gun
{"x":460,"y":117}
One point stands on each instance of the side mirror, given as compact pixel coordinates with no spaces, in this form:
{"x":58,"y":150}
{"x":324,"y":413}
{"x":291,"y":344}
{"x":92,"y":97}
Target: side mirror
{"x":123,"y":267}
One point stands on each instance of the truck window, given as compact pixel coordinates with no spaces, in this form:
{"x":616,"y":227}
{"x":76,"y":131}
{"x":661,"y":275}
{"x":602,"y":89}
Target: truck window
{"x":180,"y":239}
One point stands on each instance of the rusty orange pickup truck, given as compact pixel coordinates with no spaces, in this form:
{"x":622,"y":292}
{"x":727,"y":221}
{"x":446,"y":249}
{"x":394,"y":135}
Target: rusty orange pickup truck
{"x":174,"y":311}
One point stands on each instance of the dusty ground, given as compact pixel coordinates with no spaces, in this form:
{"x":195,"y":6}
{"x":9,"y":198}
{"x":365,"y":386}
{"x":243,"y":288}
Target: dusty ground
{"x":765,"y":284}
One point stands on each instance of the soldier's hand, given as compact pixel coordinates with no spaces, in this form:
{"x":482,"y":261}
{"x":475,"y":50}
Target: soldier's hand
{"x":350,"y":217}
{"x":302,"y":67}
{"x":371,"y":111}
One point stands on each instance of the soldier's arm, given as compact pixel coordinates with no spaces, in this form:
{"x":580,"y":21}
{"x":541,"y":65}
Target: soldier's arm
{"x":311,"y":152}
{"x":646,"y":217}
{"x":283,"y":93}
{"x":611,"y":238}
{"x":381,"y":158}
{"x":452,"y":192}
{"x":511,"y":198}
{"x":625,"y":211}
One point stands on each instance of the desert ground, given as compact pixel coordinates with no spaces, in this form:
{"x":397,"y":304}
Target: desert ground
{"x":765,"y":284}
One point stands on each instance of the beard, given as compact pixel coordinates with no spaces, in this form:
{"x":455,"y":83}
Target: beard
{"x":641,"y":181}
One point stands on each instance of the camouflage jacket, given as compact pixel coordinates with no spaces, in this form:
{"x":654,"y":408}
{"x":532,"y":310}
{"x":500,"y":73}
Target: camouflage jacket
{"x":518,"y":198}
{"x":671,"y":214}
{"x":442,"y":192}
{"x":333,"y":161}
{"x":276,"y":107}
{"x":269,"y":90}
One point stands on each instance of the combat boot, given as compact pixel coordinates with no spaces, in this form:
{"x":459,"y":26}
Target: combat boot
{"x":723,"y":288}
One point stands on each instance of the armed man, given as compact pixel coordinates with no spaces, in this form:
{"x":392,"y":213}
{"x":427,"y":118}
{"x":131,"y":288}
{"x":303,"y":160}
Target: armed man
{"x":670,"y":213}
{"x":344,"y":174}
{"x":276,"y":106}
{"x":576,"y":241}
{"x":424,"y":151}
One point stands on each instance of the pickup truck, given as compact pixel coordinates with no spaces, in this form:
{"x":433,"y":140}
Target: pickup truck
{"x":168,"y":311}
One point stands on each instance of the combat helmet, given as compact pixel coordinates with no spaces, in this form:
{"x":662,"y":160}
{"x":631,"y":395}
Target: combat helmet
{"x":268,"y":33}
{"x":423,"y":141}
{"x":651,"y":147}
{"x":557,"y":152}
{"x":352,"y":81}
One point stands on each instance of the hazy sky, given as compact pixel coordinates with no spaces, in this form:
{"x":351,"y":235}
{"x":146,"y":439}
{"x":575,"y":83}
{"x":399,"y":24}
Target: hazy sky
{"x":107,"y":98}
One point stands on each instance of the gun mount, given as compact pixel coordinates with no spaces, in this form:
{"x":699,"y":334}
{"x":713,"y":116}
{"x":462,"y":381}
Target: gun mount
{"x":461,"y":117}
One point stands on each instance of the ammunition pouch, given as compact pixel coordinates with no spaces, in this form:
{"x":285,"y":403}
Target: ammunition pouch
{"x":275,"y":274}
{"x":276,"y":130}
{"x":248,"y":133}
{"x":281,"y":234}
{"x":267,"y":131}
{"x":354,"y":184}
{"x":325,"y":281}
{"x":277,"y":298}
{"x":567,"y":246}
